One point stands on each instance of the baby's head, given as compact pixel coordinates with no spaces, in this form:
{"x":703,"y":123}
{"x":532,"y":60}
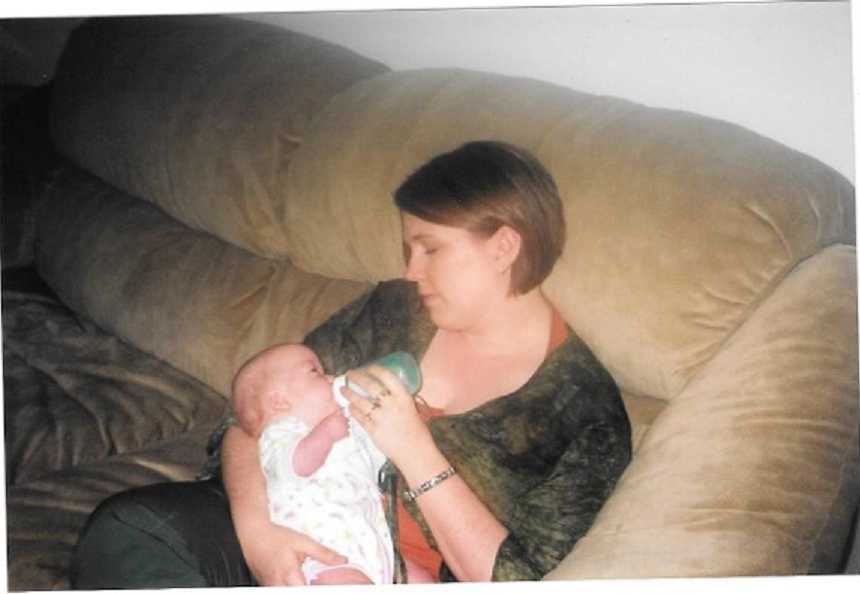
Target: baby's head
{"x":286,"y":379}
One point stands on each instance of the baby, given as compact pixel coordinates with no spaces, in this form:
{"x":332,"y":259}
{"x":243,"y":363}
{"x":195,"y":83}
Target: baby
{"x":320,"y":469}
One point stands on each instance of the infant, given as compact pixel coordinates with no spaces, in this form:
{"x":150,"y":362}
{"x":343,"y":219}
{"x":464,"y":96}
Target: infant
{"x":320,"y":468}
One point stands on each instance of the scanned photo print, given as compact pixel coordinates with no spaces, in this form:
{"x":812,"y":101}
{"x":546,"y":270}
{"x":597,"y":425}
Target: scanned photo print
{"x":302,"y":295}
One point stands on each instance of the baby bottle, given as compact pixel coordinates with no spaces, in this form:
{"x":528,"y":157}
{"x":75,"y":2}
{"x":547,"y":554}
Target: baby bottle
{"x":401,"y":364}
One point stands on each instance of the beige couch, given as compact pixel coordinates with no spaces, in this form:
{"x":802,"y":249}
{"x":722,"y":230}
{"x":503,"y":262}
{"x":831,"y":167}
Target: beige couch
{"x":228,"y":186}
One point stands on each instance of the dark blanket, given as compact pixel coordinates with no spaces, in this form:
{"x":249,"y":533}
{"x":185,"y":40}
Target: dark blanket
{"x":86,"y":415}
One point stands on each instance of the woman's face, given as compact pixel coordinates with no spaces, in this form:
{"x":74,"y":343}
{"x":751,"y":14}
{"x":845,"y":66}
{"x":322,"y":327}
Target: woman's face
{"x":458,"y":272}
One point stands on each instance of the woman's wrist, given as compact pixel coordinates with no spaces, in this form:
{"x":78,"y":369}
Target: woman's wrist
{"x":421,"y":465}
{"x":432,"y":482}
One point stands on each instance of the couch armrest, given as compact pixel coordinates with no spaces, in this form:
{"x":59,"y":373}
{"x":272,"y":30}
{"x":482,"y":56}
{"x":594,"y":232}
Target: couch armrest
{"x":753,"y":468}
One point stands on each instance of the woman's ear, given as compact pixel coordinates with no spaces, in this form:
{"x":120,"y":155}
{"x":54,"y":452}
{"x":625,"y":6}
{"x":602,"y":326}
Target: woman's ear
{"x":506,"y":247}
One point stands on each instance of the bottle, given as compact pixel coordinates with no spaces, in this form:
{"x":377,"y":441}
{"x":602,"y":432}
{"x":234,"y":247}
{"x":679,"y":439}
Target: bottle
{"x":401,"y":364}
{"x":405,"y":367}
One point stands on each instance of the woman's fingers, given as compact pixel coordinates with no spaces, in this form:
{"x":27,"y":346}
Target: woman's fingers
{"x":359,"y":406}
{"x":377,"y":382}
{"x":365,"y":382}
{"x":295,"y":577}
{"x":282,"y":563}
{"x":289,"y":569}
{"x":388,"y":381}
{"x":364,"y":393}
{"x":322,"y":553}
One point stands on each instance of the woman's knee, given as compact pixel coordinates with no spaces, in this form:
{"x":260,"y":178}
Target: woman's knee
{"x":129,"y":541}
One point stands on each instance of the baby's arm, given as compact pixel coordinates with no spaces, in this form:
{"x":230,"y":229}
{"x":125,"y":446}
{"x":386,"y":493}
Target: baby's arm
{"x":312,"y":451}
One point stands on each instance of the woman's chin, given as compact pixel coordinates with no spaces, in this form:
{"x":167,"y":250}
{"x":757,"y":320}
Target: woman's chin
{"x":436,"y":315}
{"x":445,"y":321}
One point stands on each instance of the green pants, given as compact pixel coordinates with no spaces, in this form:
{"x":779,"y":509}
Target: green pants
{"x":167,"y":535}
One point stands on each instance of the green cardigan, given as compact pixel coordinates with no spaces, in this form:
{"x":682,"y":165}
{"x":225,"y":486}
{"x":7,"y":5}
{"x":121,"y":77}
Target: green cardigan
{"x":543,"y":459}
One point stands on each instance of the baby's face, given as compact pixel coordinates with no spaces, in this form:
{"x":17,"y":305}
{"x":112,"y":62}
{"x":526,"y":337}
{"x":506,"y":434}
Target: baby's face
{"x":302,"y":388}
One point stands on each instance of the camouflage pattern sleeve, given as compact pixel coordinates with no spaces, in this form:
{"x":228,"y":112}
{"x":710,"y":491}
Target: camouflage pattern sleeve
{"x":544,"y":459}
{"x":341,"y":340}
{"x":552,"y":516}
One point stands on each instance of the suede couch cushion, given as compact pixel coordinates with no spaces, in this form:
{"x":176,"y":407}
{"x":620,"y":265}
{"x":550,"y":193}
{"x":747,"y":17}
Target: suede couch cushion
{"x":199,"y":303}
{"x":753,"y":468}
{"x":197,"y":114}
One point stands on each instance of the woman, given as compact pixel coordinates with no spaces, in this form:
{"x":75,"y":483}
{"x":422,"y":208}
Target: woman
{"x":518,"y":436}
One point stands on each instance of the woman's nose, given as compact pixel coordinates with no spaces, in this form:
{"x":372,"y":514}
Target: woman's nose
{"x":413,"y":269}
{"x":414,"y":273}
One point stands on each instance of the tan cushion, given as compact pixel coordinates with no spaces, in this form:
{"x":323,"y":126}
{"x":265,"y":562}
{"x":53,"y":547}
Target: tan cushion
{"x":197,"y":114}
{"x":373,"y":135}
{"x":194,"y":301}
{"x":642,"y":411}
{"x":678,"y":224}
{"x":743,"y":471}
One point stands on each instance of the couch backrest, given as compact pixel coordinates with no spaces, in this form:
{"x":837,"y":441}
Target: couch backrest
{"x":199,"y":115}
{"x":679,"y":225}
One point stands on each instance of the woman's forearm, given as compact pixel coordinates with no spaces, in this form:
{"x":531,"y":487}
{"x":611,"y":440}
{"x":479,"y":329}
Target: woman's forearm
{"x":244,"y":483}
{"x":467,"y":533}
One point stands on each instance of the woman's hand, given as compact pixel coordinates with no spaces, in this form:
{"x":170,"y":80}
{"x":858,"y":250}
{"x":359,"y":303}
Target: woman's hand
{"x":468,"y":534}
{"x":275,"y":556}
{"x":388,"y":414}
{"x":466,"y":531}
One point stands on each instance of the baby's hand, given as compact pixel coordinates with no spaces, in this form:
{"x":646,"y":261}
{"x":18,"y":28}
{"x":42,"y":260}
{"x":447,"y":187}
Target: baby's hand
{"x":335,"y":425}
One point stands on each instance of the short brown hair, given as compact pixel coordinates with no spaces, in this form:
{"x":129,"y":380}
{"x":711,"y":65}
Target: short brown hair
{"x":483,"y":185}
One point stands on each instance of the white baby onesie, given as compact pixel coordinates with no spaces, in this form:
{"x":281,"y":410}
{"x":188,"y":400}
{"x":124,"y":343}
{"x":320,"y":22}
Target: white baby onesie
{"x":339,"y":506}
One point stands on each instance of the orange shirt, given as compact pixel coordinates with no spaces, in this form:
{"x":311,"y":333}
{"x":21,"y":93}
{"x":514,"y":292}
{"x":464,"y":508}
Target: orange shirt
{"x":413,"y":545}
